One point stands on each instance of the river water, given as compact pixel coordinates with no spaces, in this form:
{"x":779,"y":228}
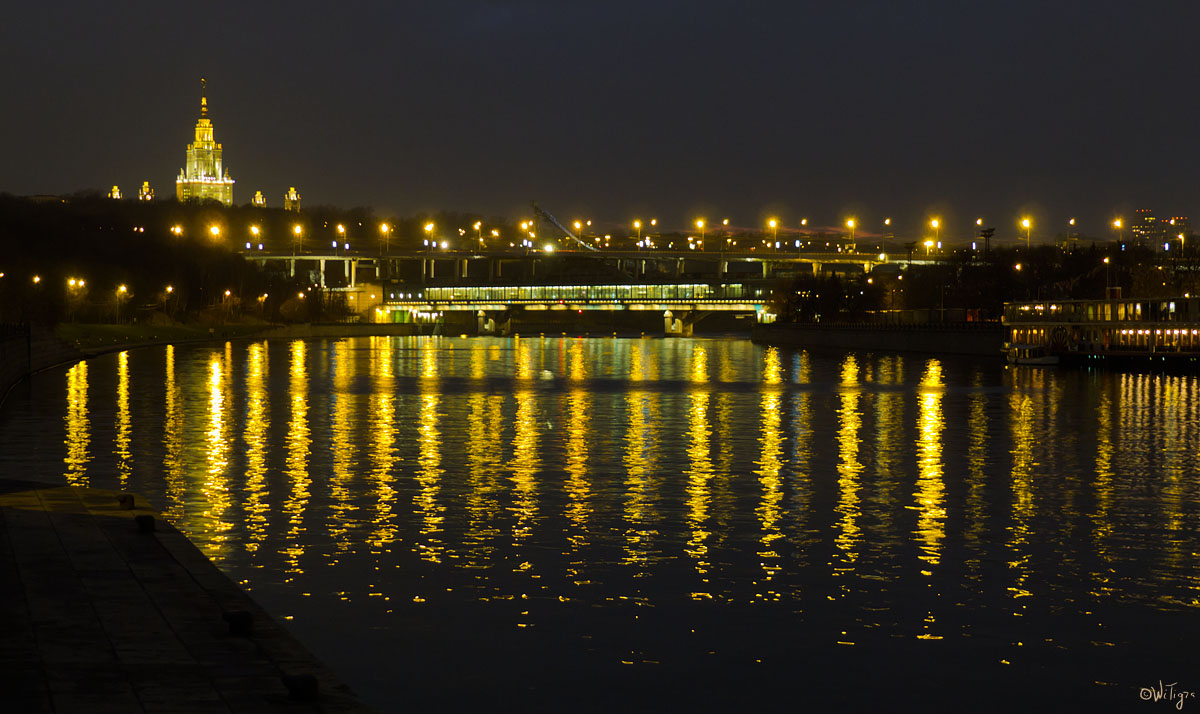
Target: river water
{"x":665,"y":525}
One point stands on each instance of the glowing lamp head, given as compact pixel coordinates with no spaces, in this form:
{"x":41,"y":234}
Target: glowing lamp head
{"x":935,"y":223}
{"x":429,"y":228}
{"x":341,"y":229}
{"x":1024,"y":222}
{"x":297,"y":229}
{"x":254,"y":230}
{"x":849,"y":222}
{"x":215,"y":230}
{"x":772,"y":223}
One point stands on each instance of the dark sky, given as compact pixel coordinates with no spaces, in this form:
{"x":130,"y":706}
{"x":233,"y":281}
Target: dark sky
{"x":622,"y":109}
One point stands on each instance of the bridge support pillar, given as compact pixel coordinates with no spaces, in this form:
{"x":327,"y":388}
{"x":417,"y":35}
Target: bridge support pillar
{"x":353,"y":272}
{"x":462,"y":268}
{"x":676,"y":326}
{"x":292,"y":268}
{"x":321,"y":272}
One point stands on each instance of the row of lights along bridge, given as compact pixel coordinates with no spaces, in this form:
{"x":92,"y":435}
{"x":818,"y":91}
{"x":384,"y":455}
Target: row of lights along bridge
{"x":645,"y":236}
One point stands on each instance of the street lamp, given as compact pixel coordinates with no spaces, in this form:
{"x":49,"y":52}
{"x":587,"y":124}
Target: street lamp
{"x":937,"y":229}
{"x":928,"y":245}
{"x":385,"y":229}
{"x":215,"y":231}
{"x":1118,"y":224}
{"x":700,"y":225}
{"x":299,"y":232}
{"x":638,"y":226}
{"x":1107,"y":285}
{"x":429,"y":236}
{"x":850,"y":223}
{"x":1027,"y":225}
{"x":774,"y":224}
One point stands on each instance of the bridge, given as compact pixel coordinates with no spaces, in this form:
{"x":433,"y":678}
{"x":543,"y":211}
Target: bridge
{"x":494,"y":285}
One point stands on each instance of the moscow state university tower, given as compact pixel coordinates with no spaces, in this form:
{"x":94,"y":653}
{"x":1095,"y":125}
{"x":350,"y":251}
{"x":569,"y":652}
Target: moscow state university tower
{"x":203,"y":176}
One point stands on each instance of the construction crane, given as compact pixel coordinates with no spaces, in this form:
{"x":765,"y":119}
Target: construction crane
{"x":539,"y":213}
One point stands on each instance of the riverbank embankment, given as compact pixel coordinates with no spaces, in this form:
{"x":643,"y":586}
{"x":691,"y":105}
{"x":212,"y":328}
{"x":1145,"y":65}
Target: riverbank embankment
{"x":980,"y":339}
{"x":107,"y":607}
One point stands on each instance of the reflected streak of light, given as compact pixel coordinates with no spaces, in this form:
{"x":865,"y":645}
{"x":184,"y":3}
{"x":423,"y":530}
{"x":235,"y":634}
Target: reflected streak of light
{"x":577,"y":487}
{"x":889,"y":428}
{"x":484,"y":421}
{"x":429,"y":477}
{"x":1102,"y":527}
{"x":1023,"y":439}
{"x":124,"y":427}
{"x":258,"y":423}
{"x":576,"y":370}
{"x":216,"y":494}
{"x":698,"y":370}
{"x":525,"y":465}
{"x":772,"y":366}
{"x":341,"y":444}
{"x":849,"y":468}
{"x":976,"y":528}
{"x":640,"y":462}
{"x":176,"y":484}
{"x":78,"y":426}
{"x":771,"y":448}
{"x":298,"y":445}
{"x":931,"y":490}
{"x":699,"y":473}
{"x":382,"y":420}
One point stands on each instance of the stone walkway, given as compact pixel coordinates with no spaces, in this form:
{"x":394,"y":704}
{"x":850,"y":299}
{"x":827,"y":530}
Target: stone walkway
{"x":100,"y":614}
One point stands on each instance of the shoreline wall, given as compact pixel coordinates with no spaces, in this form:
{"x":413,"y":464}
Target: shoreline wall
{"x":981,"y":339}
{"x":26,"y":349}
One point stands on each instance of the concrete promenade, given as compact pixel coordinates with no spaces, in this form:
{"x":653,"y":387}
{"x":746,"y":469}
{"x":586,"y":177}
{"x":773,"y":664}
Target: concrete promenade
{"x":102,"y":612}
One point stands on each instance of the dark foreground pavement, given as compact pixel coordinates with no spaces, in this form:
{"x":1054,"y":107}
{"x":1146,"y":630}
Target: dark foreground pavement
{"x":100,"y":614}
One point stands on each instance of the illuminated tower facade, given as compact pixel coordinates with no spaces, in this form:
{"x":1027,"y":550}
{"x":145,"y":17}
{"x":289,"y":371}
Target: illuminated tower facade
{"x":204,"y":176}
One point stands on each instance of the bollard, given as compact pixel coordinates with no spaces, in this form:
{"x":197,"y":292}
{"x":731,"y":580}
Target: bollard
{"x":240,"y":622}
{"x":145,"y":523}
{"x":301,"y":687}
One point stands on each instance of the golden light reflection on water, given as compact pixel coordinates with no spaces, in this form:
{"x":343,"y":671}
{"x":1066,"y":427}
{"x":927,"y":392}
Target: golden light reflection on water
{"x":577,"y":487}
{"x":931,"y":490}
{"x":173,"y":471}
{"x":699,"y":473}
{"x":298,"y":446}
{"x":215,"y":490}
{"x":341,"y":446}
{"x":258,"y":425}
{"x":484,"y":463}
{"x":769,"y":465}
{"x":576,"y":367}
{"x":975,"y":530}
{"x":381,"y":419}
{"x":78,"y":426}
{"x":772,"y":366}
{"x":524,"y":466}
{"x":640,"y":460}
{"x":1102,"y":529}
{"x":886,"y":496}
{"x":1023,"y":435}
{"x":698,"y":364}
{"x":123,"y":437}
{"x":849,"y":469}
{"x":429,"y":478}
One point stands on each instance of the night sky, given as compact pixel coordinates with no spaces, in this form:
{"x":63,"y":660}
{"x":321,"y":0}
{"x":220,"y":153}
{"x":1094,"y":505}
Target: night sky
{"x":618,"y":110}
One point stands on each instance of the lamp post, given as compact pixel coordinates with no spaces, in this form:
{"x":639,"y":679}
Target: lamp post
{"x":850,"y":223}
{"x":429,"y":236}
{"x":700,"y":225}
{"x":1107,"y":284}
{"x":1119,"y":225}
{"x":1028,"y":226}
{"x":937,"y":230}
{"x":298,"y":246}
{"x":341,"y":236}
{"x":774,"y":225}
